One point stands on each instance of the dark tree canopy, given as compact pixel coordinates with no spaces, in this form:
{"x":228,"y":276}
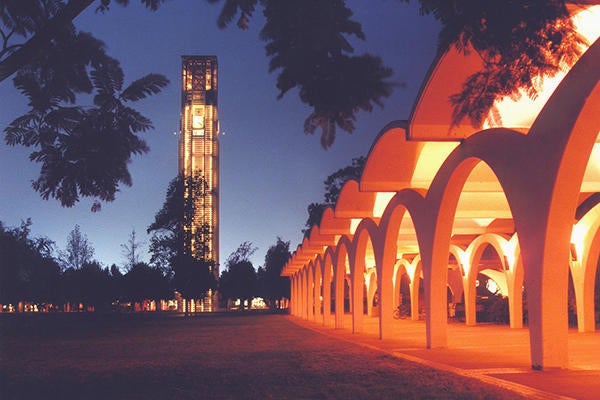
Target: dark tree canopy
{"x":78,"y":251}
{"x":142,"y":282}
{"x":275,"y":287}
{"x":89,"y":285}
{"x":518,"y":40}
{"x":242,"y":253}
{"x":30,"y":273}
{"x":238,"y":279}
{"x":335,"y":181}
{"x":83,"y":150}
{"x":131,"y":250}
{"x":27,"y":269}
{"x":315,"y":213}
{"x":307,"y":42}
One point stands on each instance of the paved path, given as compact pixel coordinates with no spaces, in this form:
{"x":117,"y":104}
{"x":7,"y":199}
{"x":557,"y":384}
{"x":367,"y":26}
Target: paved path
{"x":491,"y":353}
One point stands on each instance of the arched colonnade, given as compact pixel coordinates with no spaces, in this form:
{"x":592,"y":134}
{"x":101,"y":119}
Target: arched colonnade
{"x":429,"y":206}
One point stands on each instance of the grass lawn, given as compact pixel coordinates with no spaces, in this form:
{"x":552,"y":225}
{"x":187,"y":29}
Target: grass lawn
{"x":79,"y":356}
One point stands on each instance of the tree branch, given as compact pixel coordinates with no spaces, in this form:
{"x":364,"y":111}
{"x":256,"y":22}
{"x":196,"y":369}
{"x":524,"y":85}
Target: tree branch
{"x":27,"y":52}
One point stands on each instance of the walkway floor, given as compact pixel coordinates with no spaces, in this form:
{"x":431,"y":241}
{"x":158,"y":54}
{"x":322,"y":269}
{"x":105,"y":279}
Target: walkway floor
{"x":491,"y":353}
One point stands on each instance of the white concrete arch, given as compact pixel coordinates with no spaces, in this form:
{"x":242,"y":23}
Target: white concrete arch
{"x":402,"y":267}
{"x":371,"y":284}
{"x":340,"y":262}
{"x":365,"y":243}
{"x":474,"y":253}
{"x":541,"y":173}
{"x":327,"y":263}
{"x":318,"y":289}
{"x":585,"y":250}
{"x":310,"y":290}
{"x":413,"y":272}
{"x":410,"y":202}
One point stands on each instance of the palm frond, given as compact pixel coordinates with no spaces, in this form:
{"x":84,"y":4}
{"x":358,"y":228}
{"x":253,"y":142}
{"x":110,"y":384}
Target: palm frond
{"x":134,"y":120}
{"x":228,"y":12}
{"x":107,"y":79}
{"x":145,"y":86}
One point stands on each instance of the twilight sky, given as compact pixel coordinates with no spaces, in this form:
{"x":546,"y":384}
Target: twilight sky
{"x":270,"y":170}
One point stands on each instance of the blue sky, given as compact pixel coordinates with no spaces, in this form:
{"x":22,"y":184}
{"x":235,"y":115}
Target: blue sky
{"x":270,"y":170}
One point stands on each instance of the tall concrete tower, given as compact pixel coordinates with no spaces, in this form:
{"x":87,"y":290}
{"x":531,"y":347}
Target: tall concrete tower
{"x":199,"y":145}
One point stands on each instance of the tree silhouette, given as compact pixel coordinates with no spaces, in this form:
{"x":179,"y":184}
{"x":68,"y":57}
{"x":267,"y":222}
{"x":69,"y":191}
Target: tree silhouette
{"x":275,"y":287}
{"x":131,"y":250}
{"x":94,"y":282}
{"x":27,"y":270}
{"x":517,"y":41}
{"x":238,"y":280}
{"x":78,"y":252}
{"x":336,"y":181}
{"x":37,"y":22}
{"x":142,"y":282}
{"x":83,"y":151}
{"x":89,"y":286}
{"x":308,"y":43}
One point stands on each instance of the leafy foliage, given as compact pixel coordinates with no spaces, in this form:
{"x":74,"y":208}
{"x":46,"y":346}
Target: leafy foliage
{"x":315,"y":213}
{"x":242,"y":253}
{"x":151,"y":4}
{"x":273,"y":286}
{"x":30,"y":273}
{"x":131,"y":250}
{"x":89,"y":285}
{"x":142,"y":282}
{"x":335,"y":181}
{"x":230,"y":10}
{"x":307,"y":42}
{"x":518,"y":41}
{"x":27,"y":270}
{"x":83,"y":151}
{"x":78,"y":252}
{"x":238,"y":280}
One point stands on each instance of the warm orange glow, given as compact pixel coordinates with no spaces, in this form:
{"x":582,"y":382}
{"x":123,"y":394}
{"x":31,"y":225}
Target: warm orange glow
{"x":432,"y":115}
{"x":381,"y":201}
{"x":578,"y":240}
{"x":423,"y":197}
{"x":431,"y":157}
{"x":591,"y":179}
{"x":499,"y":280}
{"x":520,"y":111}
{"x":463,"y":258}
{"x":199,"y":147}
{"x":354,"y":224}
{"x":509,"y":248}
{"x":410,"y":270}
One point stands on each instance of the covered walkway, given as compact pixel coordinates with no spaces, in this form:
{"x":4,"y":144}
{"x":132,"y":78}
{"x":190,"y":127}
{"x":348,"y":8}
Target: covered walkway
{"x":441,"y":207}
{"x":491,"y":353}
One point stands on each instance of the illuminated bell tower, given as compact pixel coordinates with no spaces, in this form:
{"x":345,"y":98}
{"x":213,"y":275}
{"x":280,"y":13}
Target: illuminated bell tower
{"x":199,"y":145}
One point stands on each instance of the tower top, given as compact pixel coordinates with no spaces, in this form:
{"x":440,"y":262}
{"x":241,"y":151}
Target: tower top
{"x":198,"y":58}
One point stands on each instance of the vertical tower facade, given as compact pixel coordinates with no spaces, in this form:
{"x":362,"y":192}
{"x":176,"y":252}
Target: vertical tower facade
{"x":199,"y":145}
